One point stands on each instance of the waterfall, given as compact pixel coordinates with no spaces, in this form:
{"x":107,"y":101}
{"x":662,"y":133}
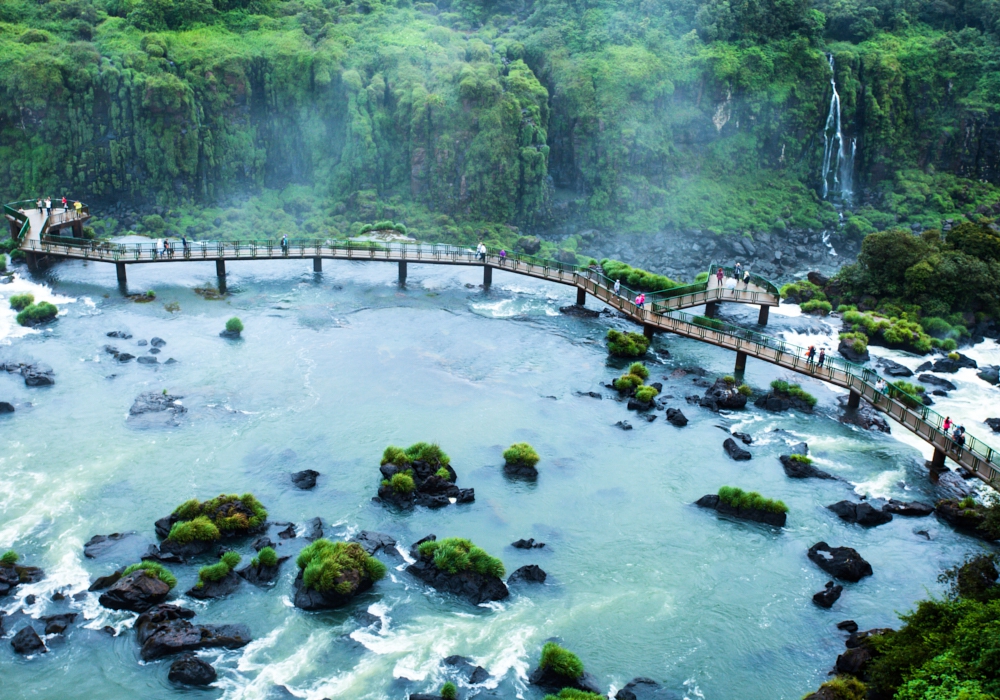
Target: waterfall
{"x":838,"y":162}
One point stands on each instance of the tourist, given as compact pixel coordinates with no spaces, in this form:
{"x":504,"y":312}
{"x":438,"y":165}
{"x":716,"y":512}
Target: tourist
{"x":618,"y":287}
{"x":155,"y":250}
{"x":810,"y":354}
{"x":39,"y":203}
{"x":480,"y":251}
{"x":880,"y":385}
{"x":822,"y":357}
{"x":166,"y":248}
{"x":640,"y":300}
{"x":719,"y":275}
{"x":503,"y":256}
{"x":284,"y":244}
{"x":746,"y":278}
{"x":64,"y":201}
{"x":184,"y":245}
{"x":946,"y":426}
{"x":48,"y":206}
{"x":77,"y":207}
{"x":739,"y":271}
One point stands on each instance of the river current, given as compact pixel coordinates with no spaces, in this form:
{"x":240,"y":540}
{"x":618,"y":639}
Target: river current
{"x":335,"y":366}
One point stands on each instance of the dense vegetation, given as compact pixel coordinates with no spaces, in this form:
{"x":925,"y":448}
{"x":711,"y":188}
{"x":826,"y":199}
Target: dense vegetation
{"x":9,"y":558}
{"x":154,"y":569}
{"x":454,"y":554}
{"x":521,"y":454}
{"x":265,"y":557}
{"x":35,"y":314}
{"x":780,"y":386}
{"x":223,"y":515}
{"x":561,"y":661}
{"x":738,"y":498}
{"x":461,"y":119}
{"x":324,"y":563}
{"x":218,"y":571}
{"x":430,"y":453}
{"x":627,"y":344}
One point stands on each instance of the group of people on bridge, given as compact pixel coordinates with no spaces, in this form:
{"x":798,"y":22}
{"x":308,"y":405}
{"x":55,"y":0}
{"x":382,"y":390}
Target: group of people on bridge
{"x":45,"y":204}
{"x":739,"y":275}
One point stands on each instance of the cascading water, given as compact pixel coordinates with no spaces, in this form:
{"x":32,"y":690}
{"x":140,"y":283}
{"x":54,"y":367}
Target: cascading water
{"x":838,"y":158}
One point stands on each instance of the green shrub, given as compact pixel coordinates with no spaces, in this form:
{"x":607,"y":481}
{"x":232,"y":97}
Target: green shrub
{"x":845,"y":688}
{"x":234,"y":325}
{"x":443,"y":474}
{"x":231,"y":559}
{"x":738,"y":498}
{"x":627,"y":383}
{"x":228,"y":513}
{"x":561,"y":661}
{"x":9,"y":558}
{"x":150,"y":294}
{"x":729,"y":379}
{"x":37,"y":313}
{"x":521,"y":454}
{"x":323,"y":564}
{"x":801,"y":459}
{"x":639,"y":370}
{"x":214,"y":572}
{"x":627,"y":344}
{"x":449,"y":691}
{"x":574,"y":694}
{"x":395,"y":455}
{"x":912,"y":389}
{"x":948,"y":344}
{"x":455,"y":554}
{"x":646,"y":393}
{"x":815,"y":306}
{"x":402,"y":482}
{"x":154,"y":569}
{"x":701,"y":277}
{"x":188,"y":510}
{"x":19,"y":302}
{"x":745,"y":389}
{"x":267,"y":556}
{"x":201,"y":528}
{"x":802,"y":292}
{"x":780,"y":386}
{"x":430,"y":453}
{"x":953,"y":356}
{"x":634,"y":278}
{"x":858,"y":341}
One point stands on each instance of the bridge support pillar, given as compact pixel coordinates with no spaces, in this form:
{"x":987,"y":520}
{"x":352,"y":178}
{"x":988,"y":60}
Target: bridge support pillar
{"x":741,"y":361}
{"x":581,"y":297}
{"x":762,"y":316}
{"x":31,"y":260}
{"x":710,"y":309}
{"x":487,"y":276}
{"x":854,"y":400}
{"x":937,"y":462}
{"x":402,"y":273}
{"x":317,"y":264}
{"x":648,"y":330}
{"x":122,"y":278}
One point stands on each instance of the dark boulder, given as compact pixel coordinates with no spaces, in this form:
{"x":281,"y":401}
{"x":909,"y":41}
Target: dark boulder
{"x":860,"y":513}
{"x":101,"y":545}
{"x":314,"y":529}
{"x":990,"y":374}
{"x":151,"y":402}
{"x":13,"y":576}
{"x":624,"y":425}
{"x":28,"y":642}
{"x":527,"y":544}
{"x":777,"y":402}
{"x":645,"y":689}
{"x":936,"y":381}
{"x":57,"y":624}
{"x":374,"y":542}
{"x":846,"y":348}
{"x":165,"y":630}
{"x":365,"y":618}
{"x":675,"y":417}
{"x":261,"y":575}
{"x":908,"y":508}
{"x":138,"y":592}
{"x":529,"y":244}
{"x":521,"y":471}
{"x":549,"y":680}
{"x":864,"y":416}
{"x":210,"y":590}
{"x":970,"y":520}
{"x":735,"y":451}
{"x":102,"y":582}
{"x":994,"y":424}
{"x":190,"y":670}
{"x":745,"y":438}
{"x":261,"y":542}
{"x":305,"y":479}
{"x":157,"y":342}
{"x":802,"y":470}
{"x":635,"y":404}
{"x":723,"y":395}
{"x":840,"y":562}
{"x":288,"y":533}
{"x":579,"y":311}
{"x":713,"y":502}
{"x":950,"y":366}
{"x":829,"y":595}
{"x":147,"y":360}
{"x":472,"y":673}
{"x":230,"y":335}
{"x":310,"y":599}
{"x":527,"y":574}
{"x":6,"y":407}
{"x":119,"y":334}
{"x":849,"y":626}
{"x":153,"y":553}
{"x":186,"y":550}
{"x":853,"y":661}
{"x":894,"y":369}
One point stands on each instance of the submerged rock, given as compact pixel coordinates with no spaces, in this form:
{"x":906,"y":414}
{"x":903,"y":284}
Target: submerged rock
{"x":715,"y":503}
{"x":894,"y":369}
{"x":735,"y":451}
{"x":190,"y":670}
{"x":12,"y":576}
{"x":828,"y":596}
{"x":262,"y":575}
{"x":57,"y":624}
{"x":6,"y":407}
{"x":795,"y":469}
{"x":164,"y":630}
{"x":624,"y":425}
{"x":27,"y":642}
{"x":138,"y":592}
{"x":723,"y":395}
{"x":777,"y":402}
{"x":936,"y":381}
{"x":305,"y":479}
{"x":676,"y":417}
{"x":101,"y":545}
{"x":990,"y":374}
{"x":860,"y":513}
{"x":374,"y":542}
{"x":645,"y":689}
{"x":34,"y":373}
{"x":527,"y":544}
{"x":994,"y":424}
{"x":471,"y":672}
{"x":908,"y":508}
{"x":865,"y":416}
{"x":151,"y":402}
{"x":527,"y":574}
{"x":840,"y":562}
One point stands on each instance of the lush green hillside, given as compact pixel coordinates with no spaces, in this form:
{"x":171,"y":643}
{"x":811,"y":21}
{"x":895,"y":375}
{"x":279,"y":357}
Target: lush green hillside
{"x":311,"y":117}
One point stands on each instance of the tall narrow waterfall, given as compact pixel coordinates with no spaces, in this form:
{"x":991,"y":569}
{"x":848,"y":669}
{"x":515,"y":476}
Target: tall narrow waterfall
{"x":838,"y":157}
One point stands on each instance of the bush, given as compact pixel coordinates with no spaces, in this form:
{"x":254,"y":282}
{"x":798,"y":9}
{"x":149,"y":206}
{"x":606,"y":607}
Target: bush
{"x":429,"y":453}
{"x":948,"y":344}
{"x":234,"y":325}
{"x":455,"y":554}
{"x":738,"y":498}
{"x":323,"y":564}
{"x":521,"y":454}
{"x":154,"y":569}
{"x":793,"y":390}
{"x":745,"y":389}
{"x":19,"y":302}
{"x":634,"y":278}
{"x":639,"y":370}
{"x":9,"y":558}
{"x":267,"y":556}
{"x":646,"y":393}
{"x":228,"y":513}
{"x":201,"y":529}
{"x":627,"y":344}
{"x":815,"y":306}
{"x":214,"y":572}
{"x":443,"y":474}
{"x":911,"y":389}
{"x":845,"y":688}
{"x":858,"y":341}
{"x":449,"y":691}
{"x":627,"y":383}
{"x":231,"y":559}
{"x":402,"y":483}
{"x":801,"y":459}
{"x":395,"y":455}
{"x":561,"y":661}
{"x":729,"y":379}
{"x":574,"y":694}
{"x":37,"y":313}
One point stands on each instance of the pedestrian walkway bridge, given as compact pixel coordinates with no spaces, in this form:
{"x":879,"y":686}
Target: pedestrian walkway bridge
{"x":40,"y":235}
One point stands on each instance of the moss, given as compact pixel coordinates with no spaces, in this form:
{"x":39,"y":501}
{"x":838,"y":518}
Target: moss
{"x":430,"y":453}
{"x":213,"y":572}
{"x":402,"y":483}
{"x":521,"y":454}
{"x":455,"y":554}
{"x":449,"y":691}
{"x":9,"y":558}
{"x":38,"y":313}
{"x":561,"y":661}
{"x":324,"y":563}
{"x":627,"y":344}
{"x":574,"y":694}
{"x":267,"y":556}
{"x":18,"y":302}
{"x":801,"y":459}
{"x":745,"y":389}
{"x":154,"y":569}
{"x":738,"y":498}
{"x":845,"y":688}
{"x":639,"y":370}
{"x":646,"y":393}
{"x":234,"y":325}
{"x":200,"y":528}
{"x":443,"y":474}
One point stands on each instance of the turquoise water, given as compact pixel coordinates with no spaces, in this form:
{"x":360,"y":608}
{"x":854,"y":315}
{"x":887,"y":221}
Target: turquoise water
{"x":331,"y":369}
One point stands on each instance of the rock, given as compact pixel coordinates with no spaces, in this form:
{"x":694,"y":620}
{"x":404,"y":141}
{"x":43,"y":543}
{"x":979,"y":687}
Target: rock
{"x":190,"y":670}
{"x":27,"y":642}
{"x":527,"y":544}
{"x":139,"y":591}
{"x":990,"y":374}
{"x":261,"y":542}
{"x":817,"y":278}
{"x":969,"y":520}
{"x":211,"y":590}
{"x":147,"y":360}
{"x":153,"y":553}
{"x":57,"y":624}
{"x":472,"y":673}
{"x":853,"y":661}
{"x":164,"y":630}
{"x":549,"y":680}
{"x":761,"y":516}
{"x":849,"y":626}
{"x":154,"y":351}
{"x":374,"y":542}
{"x":894,"y":369}
{"x":102,"y":582}
{"x":846,"y":348}
{"x":624,"y":425}
{"x":157,"y":342}
{"x":591,"y":394}
{"x":908,"y":508}
{"x":994,"y":424}
{"x":840,"y":562}
{"x":950,"y":366}
{"x":142,"y":343}
{"x":169,"y":549}
{"x":635,"y":404}
{"x":864,"y":417}
{"x":262,"y":575}
{"x":645,"y":689}
{"x":860,"y":513}
{"x":777,"y":402}
{"x":314,"y":529}
{"x":13,"y":576}
{"x":936,"y":381}
{"x":153,"y":402}
{"x":470,"y":585}
{"x":579,"y":311}
{"x":288,"y":533}
{"x":6,"y":407}
{"x":745,"y":438}
{"x":38,"y":375}
{"x":529,"y":244}
{"x":305,"y":479}
{"x":231,"y":335}
{"x":309,"y":599}
{"x":100,"y":545}
{"x":527,"y":574}
{"x":827,"y":597}
{"x":119,"y":334}
{"x":521,"y":471}
{"x":723,"y":395}
{"x":675,"y":417}
{"x":366,"y":619}
{"x":735,"y":451}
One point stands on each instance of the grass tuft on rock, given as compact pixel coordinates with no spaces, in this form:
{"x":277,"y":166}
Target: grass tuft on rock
{"x":234,"y":325}
{"x":455,"y":554}
{"x":627,"y":344}
{"x":449,"y":691}
{"x":19,"y":302}
{"x":267,"y":557}
{"x":575,"y":694}
{"x":780,"y":386}
{"x":443,"y":473}
{"x":640,"y":370}
{"x":646,"y":393}
{"x":154,"y":569}
{"x":561,"y":661}
{"x":201,"y":529}
{"x":402,"y":482}
{"x":37,"y":313}
{"x":627,"y":383}
{"x":323,"y":564}
{"x":521,"y":454}
{"x":801,"y":459}
{"x":229,"y":514}
{"x":431,"y":453}
{"x":738,"y":498}
{"x":9,"y":558}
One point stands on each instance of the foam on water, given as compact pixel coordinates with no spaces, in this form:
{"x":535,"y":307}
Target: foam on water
{"x":9,"y":327}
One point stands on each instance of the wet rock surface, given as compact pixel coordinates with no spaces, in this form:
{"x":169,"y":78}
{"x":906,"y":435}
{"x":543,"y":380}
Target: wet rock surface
{"x":829,"y":595}
{"x":431,"y":490}
{"x":861,"y":513}
{"x":735,"y":451}
{"x":100,"y":546}
{"x":210,"y":590}
{"x":551,"y":681}
{"x":374,"y":542}
{"x":305,"y":479}
{"x":865,"y":416}
{"x":527,"y":574}
{"x":190,"y":670}
{"x":150,"y":403}
{"x":165,"y":630}
{"x":527,"y":544}
{"x":723,"y":395}
{"x":27,"y":642}
{"x":13,"y":576}
{"x":713,"y":502}
{"x":138,"y":592}
{"x":34,"y":373}
{"x":646,"y":689}
{"x":914,"y":509}
{"x":470,"y":585}
{"x":676,"y":417}
{"x":840,"y":562}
